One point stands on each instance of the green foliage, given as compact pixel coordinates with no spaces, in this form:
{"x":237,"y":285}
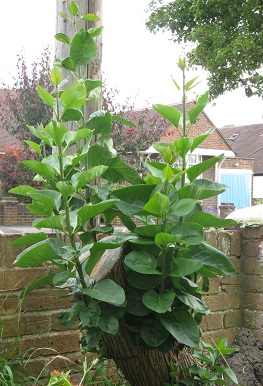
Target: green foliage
{"x":225,"y":39}
{"x":69,"y":201}
{"x":209,"y":370}
{"x":167,"y":263}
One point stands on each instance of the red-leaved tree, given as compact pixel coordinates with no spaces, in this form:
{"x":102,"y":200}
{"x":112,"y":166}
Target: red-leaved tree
{"x":12,"y":171}
{"x":20,"y":105}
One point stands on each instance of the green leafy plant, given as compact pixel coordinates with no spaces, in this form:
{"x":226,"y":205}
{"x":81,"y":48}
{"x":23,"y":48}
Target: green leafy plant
{"x":209,"y":369}
{"x":169,"y":264}
{"x":166,"y":262}
{"x":70,"y":202}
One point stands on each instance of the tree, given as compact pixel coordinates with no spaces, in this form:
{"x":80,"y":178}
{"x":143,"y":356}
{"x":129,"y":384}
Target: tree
{"x":12,"y":171}
{"x":21,"y":105}
{"x":132,"y":140}
{"x":225,"y":37}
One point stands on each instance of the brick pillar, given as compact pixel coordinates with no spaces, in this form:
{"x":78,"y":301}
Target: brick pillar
{"x":9,"y":211}
{"x":226,"y":208}
{"x":252,"y":279}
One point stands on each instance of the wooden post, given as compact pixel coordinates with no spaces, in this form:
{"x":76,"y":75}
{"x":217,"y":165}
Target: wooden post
{"x":66,"y":27}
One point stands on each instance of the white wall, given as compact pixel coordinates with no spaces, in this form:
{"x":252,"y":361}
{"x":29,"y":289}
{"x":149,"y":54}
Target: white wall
{"x":258,"y":187}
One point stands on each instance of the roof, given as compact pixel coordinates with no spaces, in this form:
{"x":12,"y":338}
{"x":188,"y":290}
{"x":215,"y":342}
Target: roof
{"x":247,"y":141}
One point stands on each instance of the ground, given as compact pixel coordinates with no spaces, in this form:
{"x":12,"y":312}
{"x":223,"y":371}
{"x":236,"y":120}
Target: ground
{"x":247,"y":363}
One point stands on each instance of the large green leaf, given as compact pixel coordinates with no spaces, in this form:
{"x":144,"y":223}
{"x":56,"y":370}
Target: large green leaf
{"x":193,"y":302}
{"x":74,"y":96}
{"x":22,"y":190}
{"x":182,"y":326}
{"x":65,"y":188}
{"x":40,"y":168}
{"x":140,"y":281}
{"x":102,"y":151}
{"x":83,"y":178}
{"x":142,"y":262}
{"x":199,"y":107}
{"x":208,"y":220}
{"x":29,"y":239}
{"x":135,"y":305}
{"x":118,"y":170}
{"x":182,"y":146}
{"x":196,"y":170}
{"x":56,"y":76}
{"x":158,"y":302}
{"x":188,"y":232}
{"x":74,"y":136}
{"x":89,"y":316}
{"x":108,"y":324}
{"x":107,"y":291}
{"x":183,"y":207}
{"x":148,"y":230}
{"x":100,"y":122}
{"x":213,"y":259}
{"x":69,"y":64}
{"x":93,"y":337}
{"x":201,"y":189}
{"x":158,"y":204}
{"x":62,"y":38}
{"x":95,"y":31}
{"x":54,"y":222}
{"x":33,"y":145}
{"x":49,"y":249}
{"x":73,"y":8}
{"x":184,"y":267}
{"x":82,"y":47}
{"x":168,"y":112}
{"x":90,"y":211}
{"x":91,"y":84}
{"x":133,"y":198}
{"x":45,"y":96}
{"x":56,"y":131}
{"x":71,"y":115}
{"x":50,"y":198}
{"x":153,"y":332}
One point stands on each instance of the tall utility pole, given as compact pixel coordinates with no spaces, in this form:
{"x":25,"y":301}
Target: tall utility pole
{"x":67,"y":28}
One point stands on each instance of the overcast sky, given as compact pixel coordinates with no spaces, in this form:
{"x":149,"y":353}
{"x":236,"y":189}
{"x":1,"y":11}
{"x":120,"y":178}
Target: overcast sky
{"x":134,"y":61}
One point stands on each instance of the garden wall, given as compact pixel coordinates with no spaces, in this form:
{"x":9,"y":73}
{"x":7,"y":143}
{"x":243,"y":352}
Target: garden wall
{"x":14,"y":213}
{"x":235,"y":302}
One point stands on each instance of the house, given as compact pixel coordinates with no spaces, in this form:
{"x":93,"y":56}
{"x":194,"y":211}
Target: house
{"x":234,"y":171}
{"x":247,"y":141}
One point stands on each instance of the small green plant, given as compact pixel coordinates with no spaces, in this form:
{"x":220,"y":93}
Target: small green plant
{"x":59,"y":378}
{"x":11,"y":366}
{"x":209,"y":369}
{"x":98,"y":371}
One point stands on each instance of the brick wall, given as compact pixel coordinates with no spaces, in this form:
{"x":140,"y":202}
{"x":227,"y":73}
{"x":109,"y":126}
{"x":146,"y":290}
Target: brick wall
{"x":34,"y":318}
{"x":14,"y":213}
{"x":234,"y":302}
